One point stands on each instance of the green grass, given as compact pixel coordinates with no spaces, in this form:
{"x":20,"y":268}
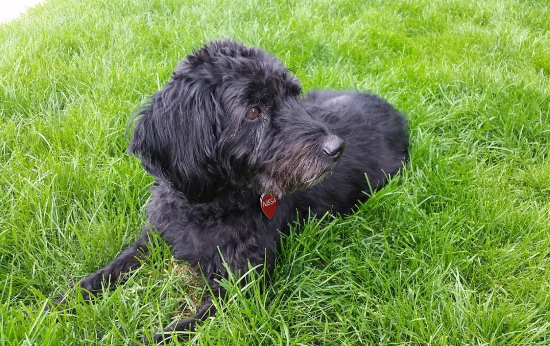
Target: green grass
{"x":454,"y":251}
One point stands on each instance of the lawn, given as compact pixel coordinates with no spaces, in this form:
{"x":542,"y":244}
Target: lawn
{"x":454,"y":251}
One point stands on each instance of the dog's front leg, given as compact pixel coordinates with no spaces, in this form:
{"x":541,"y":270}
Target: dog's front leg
{"x":130,"y":258}
{"x":239,"y":259}
{"x":207,"y":309}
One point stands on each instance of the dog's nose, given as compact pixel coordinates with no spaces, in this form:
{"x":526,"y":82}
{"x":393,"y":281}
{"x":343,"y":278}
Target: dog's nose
{"x":334,"y":146}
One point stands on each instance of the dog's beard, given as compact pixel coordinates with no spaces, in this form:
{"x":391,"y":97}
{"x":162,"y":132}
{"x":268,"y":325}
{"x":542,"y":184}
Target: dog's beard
{"x":294,"y":173}
{"x":276,"y":187}
{"x":319,"y":179}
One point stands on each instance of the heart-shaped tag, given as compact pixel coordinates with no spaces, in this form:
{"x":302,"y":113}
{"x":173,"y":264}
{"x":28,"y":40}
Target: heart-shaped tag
{"x":269,"y":204}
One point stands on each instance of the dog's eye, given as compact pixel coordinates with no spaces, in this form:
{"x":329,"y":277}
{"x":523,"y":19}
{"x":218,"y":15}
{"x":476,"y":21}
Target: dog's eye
{"x":253,"y":113}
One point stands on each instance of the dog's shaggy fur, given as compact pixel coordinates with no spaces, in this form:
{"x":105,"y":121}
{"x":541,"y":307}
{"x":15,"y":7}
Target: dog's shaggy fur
{"x":232,"y":125}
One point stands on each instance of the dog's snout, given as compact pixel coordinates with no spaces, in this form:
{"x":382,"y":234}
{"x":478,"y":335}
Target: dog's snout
{"x":334,"y":146}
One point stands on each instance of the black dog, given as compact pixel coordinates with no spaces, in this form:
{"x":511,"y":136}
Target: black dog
{"x":236,"y":152}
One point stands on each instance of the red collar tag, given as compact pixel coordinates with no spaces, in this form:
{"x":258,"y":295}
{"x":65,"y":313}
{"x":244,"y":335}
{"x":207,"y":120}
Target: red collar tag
{"x":269,"y":204}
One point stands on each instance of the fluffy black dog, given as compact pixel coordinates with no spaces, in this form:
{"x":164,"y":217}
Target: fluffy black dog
{"x":236,"y":151}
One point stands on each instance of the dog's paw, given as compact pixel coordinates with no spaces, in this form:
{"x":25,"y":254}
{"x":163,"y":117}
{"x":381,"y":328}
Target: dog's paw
{"x":56,"y":303}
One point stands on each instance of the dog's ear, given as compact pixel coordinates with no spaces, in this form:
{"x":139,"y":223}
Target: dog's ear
{"x":175,"y":138}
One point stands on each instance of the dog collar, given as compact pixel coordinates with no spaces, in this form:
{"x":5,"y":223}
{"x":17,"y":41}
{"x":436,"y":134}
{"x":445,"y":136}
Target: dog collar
{"x":269,"y":204}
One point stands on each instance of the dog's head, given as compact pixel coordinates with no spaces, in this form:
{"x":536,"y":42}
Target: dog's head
{"x":232,"y":118}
